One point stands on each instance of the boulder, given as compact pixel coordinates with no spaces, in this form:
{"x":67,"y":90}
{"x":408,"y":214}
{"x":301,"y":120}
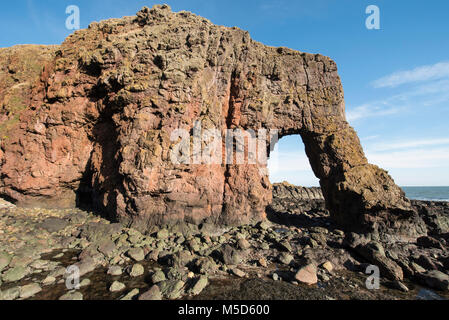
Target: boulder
{"x":307,"y":275}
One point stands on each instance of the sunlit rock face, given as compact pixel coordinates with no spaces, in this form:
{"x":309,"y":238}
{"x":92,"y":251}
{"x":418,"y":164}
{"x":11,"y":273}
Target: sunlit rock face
{"x":97,"y":122}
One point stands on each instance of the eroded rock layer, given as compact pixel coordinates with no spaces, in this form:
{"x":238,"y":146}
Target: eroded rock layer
{"x":98,"y":123}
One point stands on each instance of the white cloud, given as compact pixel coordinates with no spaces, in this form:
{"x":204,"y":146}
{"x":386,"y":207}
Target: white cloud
{"x":409,"y":144}
{"x":424,"y":73}
{"x":369,"y":110}
{"x":421,"y":96}
{"x":410,"y":159}
{"x":288,"y":162}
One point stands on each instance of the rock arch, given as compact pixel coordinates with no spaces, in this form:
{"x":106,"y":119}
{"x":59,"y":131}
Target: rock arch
{"x":101,"y":115}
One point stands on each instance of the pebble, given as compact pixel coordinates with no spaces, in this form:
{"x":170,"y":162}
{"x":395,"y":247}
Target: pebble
{"x":48,"y":280}
{"x":5,"y":259}
{"x":117,"y":286}
{"x":29,"y":290}
{"x":285,"y":258}
{"x":239,"y":273}
{"x":162,"y":234}
{"x":85,"y":282}
{"x":115,"y":270}
{"x":153,"y":294}
{"x":14,"y":274}
{"x":131,"y":295}
{"x":307,"y":275}
{"x":199,"y":285}
{"x":243,"y":244}
{"x":137,"y":270}
{"x":10,"y":294}
{"x":72,"y":295}
{"x":263,"y":262}
{"x":328,"y":266}
{"x":158,"y":276}
{"x":136,"y":254}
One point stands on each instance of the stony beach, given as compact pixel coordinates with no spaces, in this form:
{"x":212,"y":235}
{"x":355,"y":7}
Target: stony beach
{"x":295,"y":254}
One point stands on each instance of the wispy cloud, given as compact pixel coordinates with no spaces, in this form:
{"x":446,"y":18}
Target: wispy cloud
{"x":369,"y":110}
{"x":409,"y":144}
{"x":420,"y":74}
{"x":419,"y":158}
{"x":288,"y":162}
{"x":426,"y":94}
{"x":410,"y":153}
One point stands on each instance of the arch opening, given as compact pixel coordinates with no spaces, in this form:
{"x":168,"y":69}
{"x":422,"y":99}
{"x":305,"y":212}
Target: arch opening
{"x":288,"y":162}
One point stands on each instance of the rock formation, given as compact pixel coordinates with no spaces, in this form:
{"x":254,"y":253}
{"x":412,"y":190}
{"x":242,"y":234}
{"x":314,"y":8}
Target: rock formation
{"x":97,"y":123}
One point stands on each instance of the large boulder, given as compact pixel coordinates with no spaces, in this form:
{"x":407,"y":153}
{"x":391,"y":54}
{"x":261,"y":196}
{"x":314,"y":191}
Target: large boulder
{"x":100,"y":120}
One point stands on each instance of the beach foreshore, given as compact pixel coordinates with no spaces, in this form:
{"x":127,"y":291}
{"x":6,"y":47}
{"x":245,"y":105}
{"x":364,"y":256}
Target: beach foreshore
{"x":297,"y":253}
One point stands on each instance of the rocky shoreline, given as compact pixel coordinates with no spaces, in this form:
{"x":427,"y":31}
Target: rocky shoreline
{"x":297,"y":254}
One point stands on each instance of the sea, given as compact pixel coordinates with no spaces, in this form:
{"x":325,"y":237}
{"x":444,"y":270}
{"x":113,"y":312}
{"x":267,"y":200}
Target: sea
{"x":427,"y":193}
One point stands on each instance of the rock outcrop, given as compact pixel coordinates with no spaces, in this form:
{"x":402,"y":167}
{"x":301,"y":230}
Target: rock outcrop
{"x":296,"y":193}
{"x":98,"y":120}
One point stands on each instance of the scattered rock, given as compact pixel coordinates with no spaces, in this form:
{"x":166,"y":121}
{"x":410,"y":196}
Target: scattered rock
{"x":72,"y":295}
{"x":131,"y":295}
{"x":264,"y":225}
{"x":307,"y":275}
{"x":96,"y":232}
{"x":172,"y":289}
{"x":285,"y":258}
{"x":85,"y":282}
{"x":48,"y":280}
{"x":29,"y":290}
{"x":239,"y":273}
{"x":399,"y":286}
{"x":10,"y":294}
{"x":162,"y":234}
{"x":285,"y":246}
{"x":53,"y":224}
{"x":375,"y":255}
{"x":199,"y":285}
{"x":117,"y":286}
{"x":229,"y":255}
{"x":14,"y":274}
{"x":243,"y":244}
{"x":263,"y":262}
{"x":429,"y":242}
{"x":136,"y":254}
{"x":85,"y":266}
{"x":115,"y":270}
{"x":158,"y":276}
{"x":327,"y":266}
{"x":435,"y":279}
{"x":153,"y":294}
{"x":106,"y":247}
{"x":137,"y":270}
{"x":5,"y":259}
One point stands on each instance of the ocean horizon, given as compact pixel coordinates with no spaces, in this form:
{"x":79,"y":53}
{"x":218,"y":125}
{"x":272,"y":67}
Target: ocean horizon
{"x":427,"y":193}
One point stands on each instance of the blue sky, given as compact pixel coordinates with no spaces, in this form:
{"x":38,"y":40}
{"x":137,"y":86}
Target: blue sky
{"x":396,"y":79}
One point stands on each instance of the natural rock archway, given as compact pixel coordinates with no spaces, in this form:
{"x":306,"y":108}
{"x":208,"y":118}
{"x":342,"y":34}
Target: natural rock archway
{"x":99,"y":121}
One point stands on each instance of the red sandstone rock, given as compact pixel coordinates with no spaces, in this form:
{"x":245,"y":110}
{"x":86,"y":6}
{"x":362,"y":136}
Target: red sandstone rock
{"x":307,"y":275}
{"x":100,"y":118}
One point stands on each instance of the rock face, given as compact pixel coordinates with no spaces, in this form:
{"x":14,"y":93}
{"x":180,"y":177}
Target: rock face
{"x":97,"y":123}
{"x":286,"y":190}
